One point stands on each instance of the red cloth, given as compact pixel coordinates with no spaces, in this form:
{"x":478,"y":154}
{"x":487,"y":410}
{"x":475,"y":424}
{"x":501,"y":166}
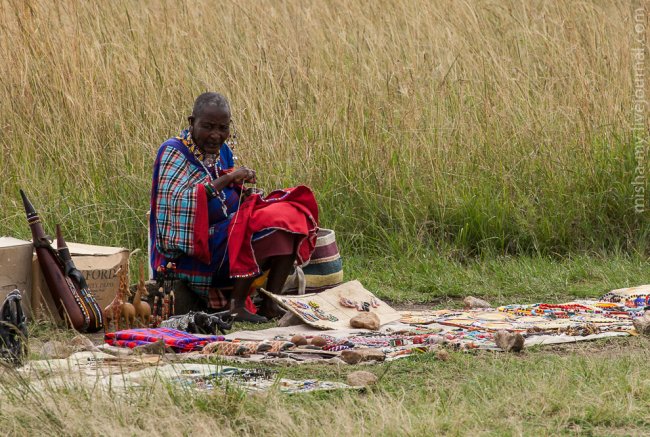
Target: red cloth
{"x":180,"y":341}
{"x":275,"y":244}
{"x":292,"y":210}
{"x":250,"y":306}
{"x":201,"y":226}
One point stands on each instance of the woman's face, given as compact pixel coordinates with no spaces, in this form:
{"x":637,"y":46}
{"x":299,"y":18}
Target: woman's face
{"x":210,"y":129}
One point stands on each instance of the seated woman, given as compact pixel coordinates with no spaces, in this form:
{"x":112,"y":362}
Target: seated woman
{"x":199,"y":222}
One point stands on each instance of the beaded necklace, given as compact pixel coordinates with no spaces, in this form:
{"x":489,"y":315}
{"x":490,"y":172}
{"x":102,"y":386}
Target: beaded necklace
{"x":210,"y":159}
{"x":208,"y":162}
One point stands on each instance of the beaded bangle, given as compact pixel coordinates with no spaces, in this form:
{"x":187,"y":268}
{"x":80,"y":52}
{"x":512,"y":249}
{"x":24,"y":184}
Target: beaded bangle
{"x":210,"y":191}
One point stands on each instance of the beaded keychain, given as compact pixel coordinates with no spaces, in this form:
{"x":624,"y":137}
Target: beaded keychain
{"x":360,"y":306}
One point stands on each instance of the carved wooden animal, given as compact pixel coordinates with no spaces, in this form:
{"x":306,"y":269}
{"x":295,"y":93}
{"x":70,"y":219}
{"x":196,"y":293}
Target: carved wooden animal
{"x":120,"y":307}
{"x":128,"y":313}
{"x":142,"y":307}
{"x":128,"y":310}
{"x":113,"y":312}
{"x":156,"y":316}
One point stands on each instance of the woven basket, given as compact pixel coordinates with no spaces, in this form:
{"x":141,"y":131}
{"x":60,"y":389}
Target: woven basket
{"x":324,"y":270}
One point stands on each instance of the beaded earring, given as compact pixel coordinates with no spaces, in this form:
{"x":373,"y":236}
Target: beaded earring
{"x":232,"y":141}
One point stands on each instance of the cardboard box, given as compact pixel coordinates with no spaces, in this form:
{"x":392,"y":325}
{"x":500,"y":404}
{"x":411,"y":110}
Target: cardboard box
{"x":16,"y":270}
{"x":99,"y":266}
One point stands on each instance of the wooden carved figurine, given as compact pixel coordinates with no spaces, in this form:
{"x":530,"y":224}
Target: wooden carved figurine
{"x":157,"y":308}
{"x":119,"y":306}
{"x":113,"y":312}
{"x":128,"y":310}
{"x":163,"y":299}
{"x":142,"y":307}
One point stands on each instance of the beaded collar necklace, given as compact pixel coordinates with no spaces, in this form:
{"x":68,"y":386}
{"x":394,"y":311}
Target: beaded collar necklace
{"x":210,"y":162}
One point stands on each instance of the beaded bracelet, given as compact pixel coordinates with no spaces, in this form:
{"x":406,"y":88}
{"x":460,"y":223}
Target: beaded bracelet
{"x":210,"y":191}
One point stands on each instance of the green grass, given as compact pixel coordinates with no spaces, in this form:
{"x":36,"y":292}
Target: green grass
{"x":432,"y":277}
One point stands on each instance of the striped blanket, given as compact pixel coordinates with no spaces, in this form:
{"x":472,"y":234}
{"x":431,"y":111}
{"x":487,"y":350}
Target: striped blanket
{"x":178,"y":340}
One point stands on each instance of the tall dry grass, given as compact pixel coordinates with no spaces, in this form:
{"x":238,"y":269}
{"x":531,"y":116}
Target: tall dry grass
{"x":490,"y":125}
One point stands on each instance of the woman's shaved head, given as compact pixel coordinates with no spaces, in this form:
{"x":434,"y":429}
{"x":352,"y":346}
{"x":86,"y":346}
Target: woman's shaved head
{"x":216,"y":100}
{"x":210,"y":122}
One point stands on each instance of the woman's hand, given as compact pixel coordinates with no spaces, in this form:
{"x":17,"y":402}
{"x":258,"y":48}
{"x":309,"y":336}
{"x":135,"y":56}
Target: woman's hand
{"x":250,"y":191}
{"x":243,"y":174}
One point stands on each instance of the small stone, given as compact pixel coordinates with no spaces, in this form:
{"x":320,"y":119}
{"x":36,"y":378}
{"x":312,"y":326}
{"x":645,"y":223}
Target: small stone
{"x":289,"y":319}
{"x":435,"y":340}
{"x":82,"y":343}
{"x":642,"y":324}
{"x":472,"y":302}
{"x":355,"y":356}
{"x":442,"y":355}
{"x":361,"y":378}
{"x":318,"y":341}
{"x":365,"y":321}
{"x":298,"y":340}
{"x":55,"y":349}
{"x":509,"y":341}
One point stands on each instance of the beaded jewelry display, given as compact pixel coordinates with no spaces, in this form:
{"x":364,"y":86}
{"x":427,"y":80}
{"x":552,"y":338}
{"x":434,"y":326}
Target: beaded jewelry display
{"x":310,"y":312}
{"x":360,"y":306}
{"x":569,"y":310}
